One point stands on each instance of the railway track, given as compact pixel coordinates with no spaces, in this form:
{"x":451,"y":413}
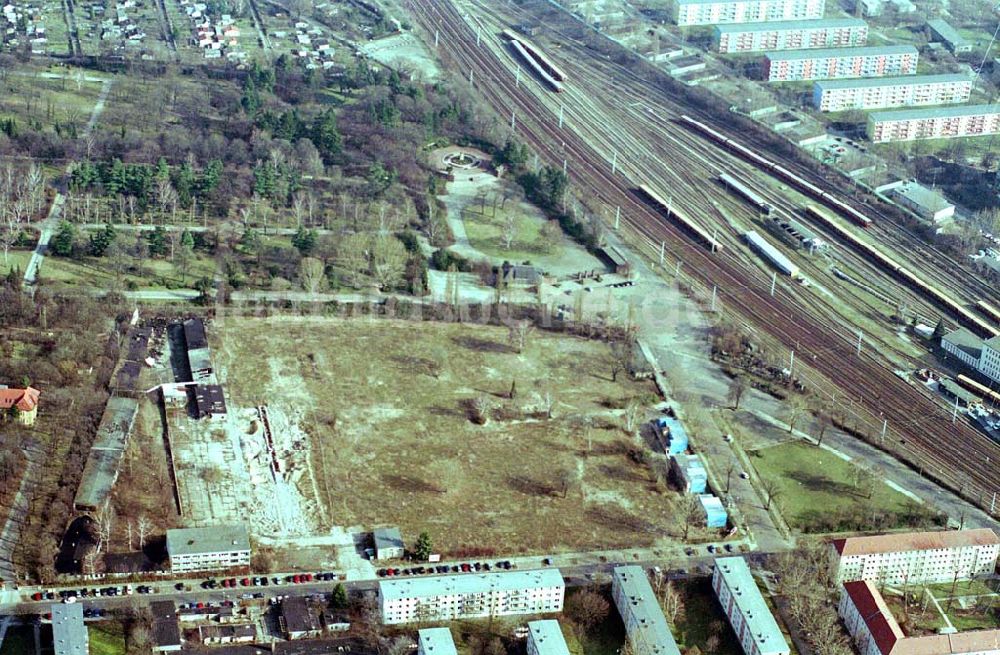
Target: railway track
{"x":919,"y":429}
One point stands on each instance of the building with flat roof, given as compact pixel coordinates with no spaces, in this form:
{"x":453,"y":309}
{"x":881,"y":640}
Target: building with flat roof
{"x":885,"y":92}
{"x":645,"y":625}
{"x":69,"y":634}
{"x":876,"y":7}
{"x":989,"y":363}
{"x":933,"y":123}
{"x":166,"y":630}
{"x":298,"y":620}
{"x":233,"y":633}
{"x":790,"y":35}
{"x":208,"y":549}
{"x":672,"y":434}
{"x":875,"y":631}
{"x":926,"y":203}
{"x":689,"y":473}
{"x":838,"y":63}
{"x":448,"y":597}
{"x":939,"y":30}
{"x":101,"y":470}
{"x":712,"y":12}
{"x":210,"y":401}
{"x":915,"y":557}
{"x":715,"y":514}
{"x":435,"y":641}
{"x":388,"y":543}
{"x":746,"y":609}
{"x":980,"y":354}
{"x":546,"y":638}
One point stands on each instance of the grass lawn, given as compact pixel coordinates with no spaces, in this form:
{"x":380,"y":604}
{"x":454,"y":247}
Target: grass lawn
{"x":961,"y":588}
{"x":99,"y":272}
{"x":107,"y":638}
{"x":20,"y":640}
{"x":15,"y":259}
{"x":386,"y":405}
{"x":813,"y":481}
{"x":701,"y":619}
{"x":485,"y":232}
{"x":973,"y":619}
{"x":918,"y":620}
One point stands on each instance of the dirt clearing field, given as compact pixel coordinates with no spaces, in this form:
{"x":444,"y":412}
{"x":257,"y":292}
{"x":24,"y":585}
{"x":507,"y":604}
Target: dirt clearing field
{"x":387,"y":407}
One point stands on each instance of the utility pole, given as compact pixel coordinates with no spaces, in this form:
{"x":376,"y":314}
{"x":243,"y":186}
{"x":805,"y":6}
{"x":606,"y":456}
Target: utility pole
{"x":513,"y":119}
{"x":954,"y":411}
{"x":663,"y":245}
{"x":436,"y":35}
{"x":885,"y":427}
{"x":560,"y":116}
{"x":715,"y":292}
{"x":564,"y":166}
{"x":470,"y":77}
{"x":618,"y":215}
{"x":774,"y":281}
{"x":715,"y":233}
{"x":614,"y":162}
{"x":677,"y":269}
{"x":477,"y":36}
{"x":517,"y":77}
{"x":791,"y":364}
{"x":859,"y":343}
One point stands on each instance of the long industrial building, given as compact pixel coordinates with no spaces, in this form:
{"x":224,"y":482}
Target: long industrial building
{"x":790,"y":35}
{"x":746,"y":609}
{"x":450,"y":597}
{"x":915,"y":557}
{"x":645,"y":625}
{"x":839,"y":63}
{"x":875,"y":631}
{"x":886,"y":92}
{"x":936,"y":123}
{"x":713,"y":12}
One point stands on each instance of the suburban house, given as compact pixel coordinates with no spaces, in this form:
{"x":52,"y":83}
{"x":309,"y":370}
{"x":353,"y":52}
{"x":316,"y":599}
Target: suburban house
{"x":21,"y":404}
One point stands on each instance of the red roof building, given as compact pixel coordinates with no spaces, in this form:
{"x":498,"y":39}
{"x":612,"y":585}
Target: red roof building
{"x":22,"y":402}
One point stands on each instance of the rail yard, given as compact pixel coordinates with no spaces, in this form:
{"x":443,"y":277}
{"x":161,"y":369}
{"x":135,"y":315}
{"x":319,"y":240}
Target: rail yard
{"x":613,"y":143}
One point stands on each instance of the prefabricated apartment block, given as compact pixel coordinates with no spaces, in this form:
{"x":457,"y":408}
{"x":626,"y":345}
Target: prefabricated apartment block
{"x":207,"y":549}
{"x":790,"y":35}
{"x":645,"y":625}
{"x":838,"y":63}
{"x":712,"y":12}
{"x":546,"y":638}
{"x":935,"y":123}
{"x":915,"y":557}
{"x":449,"y":597}
{"x":746,"y":609}
{"x":435,"y":641}
{"x":881,"y":93}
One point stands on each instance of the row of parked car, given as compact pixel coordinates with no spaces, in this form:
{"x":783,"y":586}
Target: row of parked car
{"x":92,"y":592}
{"x":263,"y":581}
{"x":465,"y":567}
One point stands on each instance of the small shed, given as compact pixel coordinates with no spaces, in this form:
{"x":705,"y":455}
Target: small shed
{"x":689,"y":473}
{"x":615,"y":259}
{"x":388,"y":543}
{"x":715,"y":513}
{"x":672,"y":434}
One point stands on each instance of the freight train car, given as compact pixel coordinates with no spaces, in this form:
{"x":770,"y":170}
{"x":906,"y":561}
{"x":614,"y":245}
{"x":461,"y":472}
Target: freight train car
{"x":989,"y":310}
{"x":672,"y":212}
{"x":746,"y":193}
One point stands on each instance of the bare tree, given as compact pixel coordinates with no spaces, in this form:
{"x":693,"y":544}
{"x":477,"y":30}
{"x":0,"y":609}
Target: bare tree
{"x":671,"y":601}
{"x":517,"y":334}
{"x":143,"y":526}
{"x":689,"y":514}
{"x":482,"y":406}
{"x":771,"y":489}
{"x":622,"y":353}
{"x":508,"y":230}
{"x":796,"y":408}
{"x":587,"y":608}
{"x":737,"y":387}
{"x":312,"y":275}
{"x":633,"y":410}
{"x":388,"y":261}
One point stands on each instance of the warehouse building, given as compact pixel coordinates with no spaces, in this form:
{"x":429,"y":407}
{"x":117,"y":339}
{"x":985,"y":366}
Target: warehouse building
{"x":645,"y":625}
{"x":875,"y":631}
{"x":941,"y":31}
{"x":746,"y":609}
{"x":790,"y":35}
{"x":546,"y":638}
{"x":882,"y":93}
{"x":838,"y":63}
{"x":447,"y":598}
{"x":208,"y":549}
{"x":69,"y":634}
{"x":689,"y":473}
{"x":712,"y":12}
{"x":926,"y":203}
{"x":915,"y":557}
{"x":435,"y":641}
{"x":936,"y":123}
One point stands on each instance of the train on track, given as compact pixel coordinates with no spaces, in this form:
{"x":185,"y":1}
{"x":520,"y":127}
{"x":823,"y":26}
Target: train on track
{"x":746,"y":193}
{"x":549,"y":73}
{"x":989,"y":396}
{"x":989,"y":310}
{"x":672,"y":212}
{"x":798,"y":182}
{"x":911,"y":279}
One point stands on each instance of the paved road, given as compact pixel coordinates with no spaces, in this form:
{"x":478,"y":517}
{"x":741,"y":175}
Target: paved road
{"x":15,"y":517}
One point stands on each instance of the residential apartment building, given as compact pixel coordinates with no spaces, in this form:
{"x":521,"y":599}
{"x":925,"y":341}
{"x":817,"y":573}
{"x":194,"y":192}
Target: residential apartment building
{"x":989,"y":363}
{"x":746,"y":609}
{"x":546,"y":638}
{"x":964,"y":345}
{"x":208,"y":549}
{"x":790,"y":35}
{"x":936,"y":123}
{"x":645,"y":625}
{"x":712,"y":12}
{"x":435,"y":641}
{"x":915,"y":557}
{"x":881,"y":93}
{"x":447,"y":598}
{"x":69,"y":633}
{"x":875,"y":631}
{"x":838,"y":63}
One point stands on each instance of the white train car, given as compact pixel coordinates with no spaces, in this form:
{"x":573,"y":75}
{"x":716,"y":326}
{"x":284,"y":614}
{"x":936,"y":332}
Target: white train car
{"x":771,"y":254}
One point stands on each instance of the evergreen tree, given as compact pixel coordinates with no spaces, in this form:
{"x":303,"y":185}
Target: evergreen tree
{"x":304,"y":240}
{"x":64,"y":239}
{"x":338,"y":599}
{"x":326,"y":137}
{"x":99,"y":241}
{"x":157,"y":240}
{"x":423,"y":548}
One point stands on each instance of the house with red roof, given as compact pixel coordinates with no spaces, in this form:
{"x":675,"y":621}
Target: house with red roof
{"x":21,"y":404}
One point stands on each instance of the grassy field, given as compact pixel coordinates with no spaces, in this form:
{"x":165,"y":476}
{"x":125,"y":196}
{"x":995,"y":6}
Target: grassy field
{"x":17,"y":259}
{"x":485,"y":232}
{"x":813,"y":481}
{"x":702,"y":619}
{"x":99,"y":272}
{"x":107,"y":638}
{"x":49,"y":101}
{"x":386,"y":404}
